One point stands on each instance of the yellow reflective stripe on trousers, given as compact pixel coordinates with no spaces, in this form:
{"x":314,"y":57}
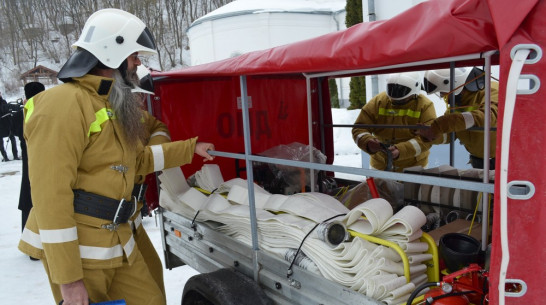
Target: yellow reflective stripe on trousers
{"x":399,"y":112}
{"x":101,"y":116}
{"x":29,"y":108}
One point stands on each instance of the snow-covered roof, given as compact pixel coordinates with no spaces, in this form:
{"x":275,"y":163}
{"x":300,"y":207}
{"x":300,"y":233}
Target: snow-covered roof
{"x":245,"y":7}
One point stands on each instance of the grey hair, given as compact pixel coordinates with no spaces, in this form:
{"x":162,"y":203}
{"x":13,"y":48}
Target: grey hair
{"x":128,"y":109}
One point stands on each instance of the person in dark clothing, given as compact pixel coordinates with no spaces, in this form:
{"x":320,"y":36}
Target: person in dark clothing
{"x":5,"y":129}
{"x":25,"y":199}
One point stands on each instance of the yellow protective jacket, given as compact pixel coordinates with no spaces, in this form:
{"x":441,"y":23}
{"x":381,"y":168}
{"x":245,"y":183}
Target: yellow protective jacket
{"x":157,"y":133}
{"x":75,"y":142}
{"x":381,"y":110}
{"x":471,"y":112}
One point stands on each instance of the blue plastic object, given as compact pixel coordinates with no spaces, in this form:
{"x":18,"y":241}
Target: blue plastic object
{"x":116,"y":302}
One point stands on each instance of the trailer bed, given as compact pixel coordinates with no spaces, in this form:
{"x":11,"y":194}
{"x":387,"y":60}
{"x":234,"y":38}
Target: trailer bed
{"x":206,"y":250}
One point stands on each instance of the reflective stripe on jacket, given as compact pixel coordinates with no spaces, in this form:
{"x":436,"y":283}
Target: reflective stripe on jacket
{"x":75,"y":142}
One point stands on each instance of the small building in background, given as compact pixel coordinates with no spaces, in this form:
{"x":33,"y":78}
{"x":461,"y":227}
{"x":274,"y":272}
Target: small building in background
{"x":40,"y":74}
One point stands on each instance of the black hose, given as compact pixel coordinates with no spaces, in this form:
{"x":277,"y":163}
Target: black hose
{"x":419,"y":288}
{"x":447,"y":295}
{"x":387,"y":151}
{"x":485,"y":290}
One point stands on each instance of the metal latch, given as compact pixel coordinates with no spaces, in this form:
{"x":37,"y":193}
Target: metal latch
{"x":111,"y":226}
{"x":120,"y":168}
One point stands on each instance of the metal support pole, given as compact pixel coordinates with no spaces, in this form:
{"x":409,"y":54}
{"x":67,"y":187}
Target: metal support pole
{"x":486,"y":149}
{"x":310,"y":131}
{"x":250,"y":176}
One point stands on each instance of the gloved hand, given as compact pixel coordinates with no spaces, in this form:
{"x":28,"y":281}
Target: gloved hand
{"x":373,"y":146}
{"x":395,"y":152}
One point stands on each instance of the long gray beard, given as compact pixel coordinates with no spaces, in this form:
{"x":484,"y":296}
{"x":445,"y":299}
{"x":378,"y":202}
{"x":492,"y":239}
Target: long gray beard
{"x":127,"y":107}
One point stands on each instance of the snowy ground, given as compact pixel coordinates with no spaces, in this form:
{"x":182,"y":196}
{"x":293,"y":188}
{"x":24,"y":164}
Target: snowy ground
{"x":24,"y":281}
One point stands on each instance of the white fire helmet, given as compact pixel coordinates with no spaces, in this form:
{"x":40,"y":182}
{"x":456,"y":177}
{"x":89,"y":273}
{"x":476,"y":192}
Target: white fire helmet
{"x":403,"y":85}
{"x":438,"y":81}
{"x":111,"y":35}
{"x":146,"y":84}
{"x":108,"y":37}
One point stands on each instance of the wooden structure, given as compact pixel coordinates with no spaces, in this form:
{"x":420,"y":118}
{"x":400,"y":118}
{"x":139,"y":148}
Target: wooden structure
{"x":40,"y":74}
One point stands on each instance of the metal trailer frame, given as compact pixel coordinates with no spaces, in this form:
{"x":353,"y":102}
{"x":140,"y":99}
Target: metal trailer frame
{"x":204,"y":249}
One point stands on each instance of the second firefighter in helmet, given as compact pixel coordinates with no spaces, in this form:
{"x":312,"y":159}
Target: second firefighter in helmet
{"x":468,"y":111}
{"x":400,"y":104}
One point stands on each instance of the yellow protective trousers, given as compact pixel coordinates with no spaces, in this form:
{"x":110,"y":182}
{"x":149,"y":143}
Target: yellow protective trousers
{"x":151,"y":258}
{"x":134,"y":284}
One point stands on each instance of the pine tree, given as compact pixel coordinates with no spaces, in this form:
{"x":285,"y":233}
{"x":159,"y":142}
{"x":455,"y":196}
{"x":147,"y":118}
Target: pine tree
{"x":357,"y":95}
{"x":334,"y":98}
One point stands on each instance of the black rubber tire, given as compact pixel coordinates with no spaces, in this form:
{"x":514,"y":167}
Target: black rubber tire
{"x":223,"y":287}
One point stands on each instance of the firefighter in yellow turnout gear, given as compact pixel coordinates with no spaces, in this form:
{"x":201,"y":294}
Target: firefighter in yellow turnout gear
{"x":85,"y":147}
{"x":400,"y":104}
{"x":469,"y":111}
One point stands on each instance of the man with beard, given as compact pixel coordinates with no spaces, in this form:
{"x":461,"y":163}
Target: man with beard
{"x":85,"y":148}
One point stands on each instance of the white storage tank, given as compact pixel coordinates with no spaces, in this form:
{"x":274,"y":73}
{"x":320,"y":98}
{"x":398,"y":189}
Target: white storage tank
{"x":248,"y":25}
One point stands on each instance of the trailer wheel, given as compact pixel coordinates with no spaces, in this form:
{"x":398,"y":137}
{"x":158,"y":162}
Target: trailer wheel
{"x":223,"y":287}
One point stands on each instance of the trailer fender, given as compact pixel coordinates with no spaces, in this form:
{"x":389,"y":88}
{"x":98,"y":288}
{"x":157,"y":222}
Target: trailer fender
{"x":223,"y":287}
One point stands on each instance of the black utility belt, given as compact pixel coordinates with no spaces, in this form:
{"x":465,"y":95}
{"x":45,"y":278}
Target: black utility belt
{"x":116,"y":211}
{"x":138,"y":191}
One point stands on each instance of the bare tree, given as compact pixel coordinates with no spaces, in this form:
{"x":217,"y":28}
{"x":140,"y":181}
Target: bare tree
{"x":34,"y":31}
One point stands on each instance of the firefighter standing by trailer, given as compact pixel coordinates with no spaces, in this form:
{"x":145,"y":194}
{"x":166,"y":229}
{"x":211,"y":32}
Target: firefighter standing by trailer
{"x":400,"y":104}
{"x":83,"y":176}
{"x":469,"y":111}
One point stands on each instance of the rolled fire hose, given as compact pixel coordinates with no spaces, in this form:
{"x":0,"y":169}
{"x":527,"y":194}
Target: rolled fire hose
{"x":332,"y":233}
